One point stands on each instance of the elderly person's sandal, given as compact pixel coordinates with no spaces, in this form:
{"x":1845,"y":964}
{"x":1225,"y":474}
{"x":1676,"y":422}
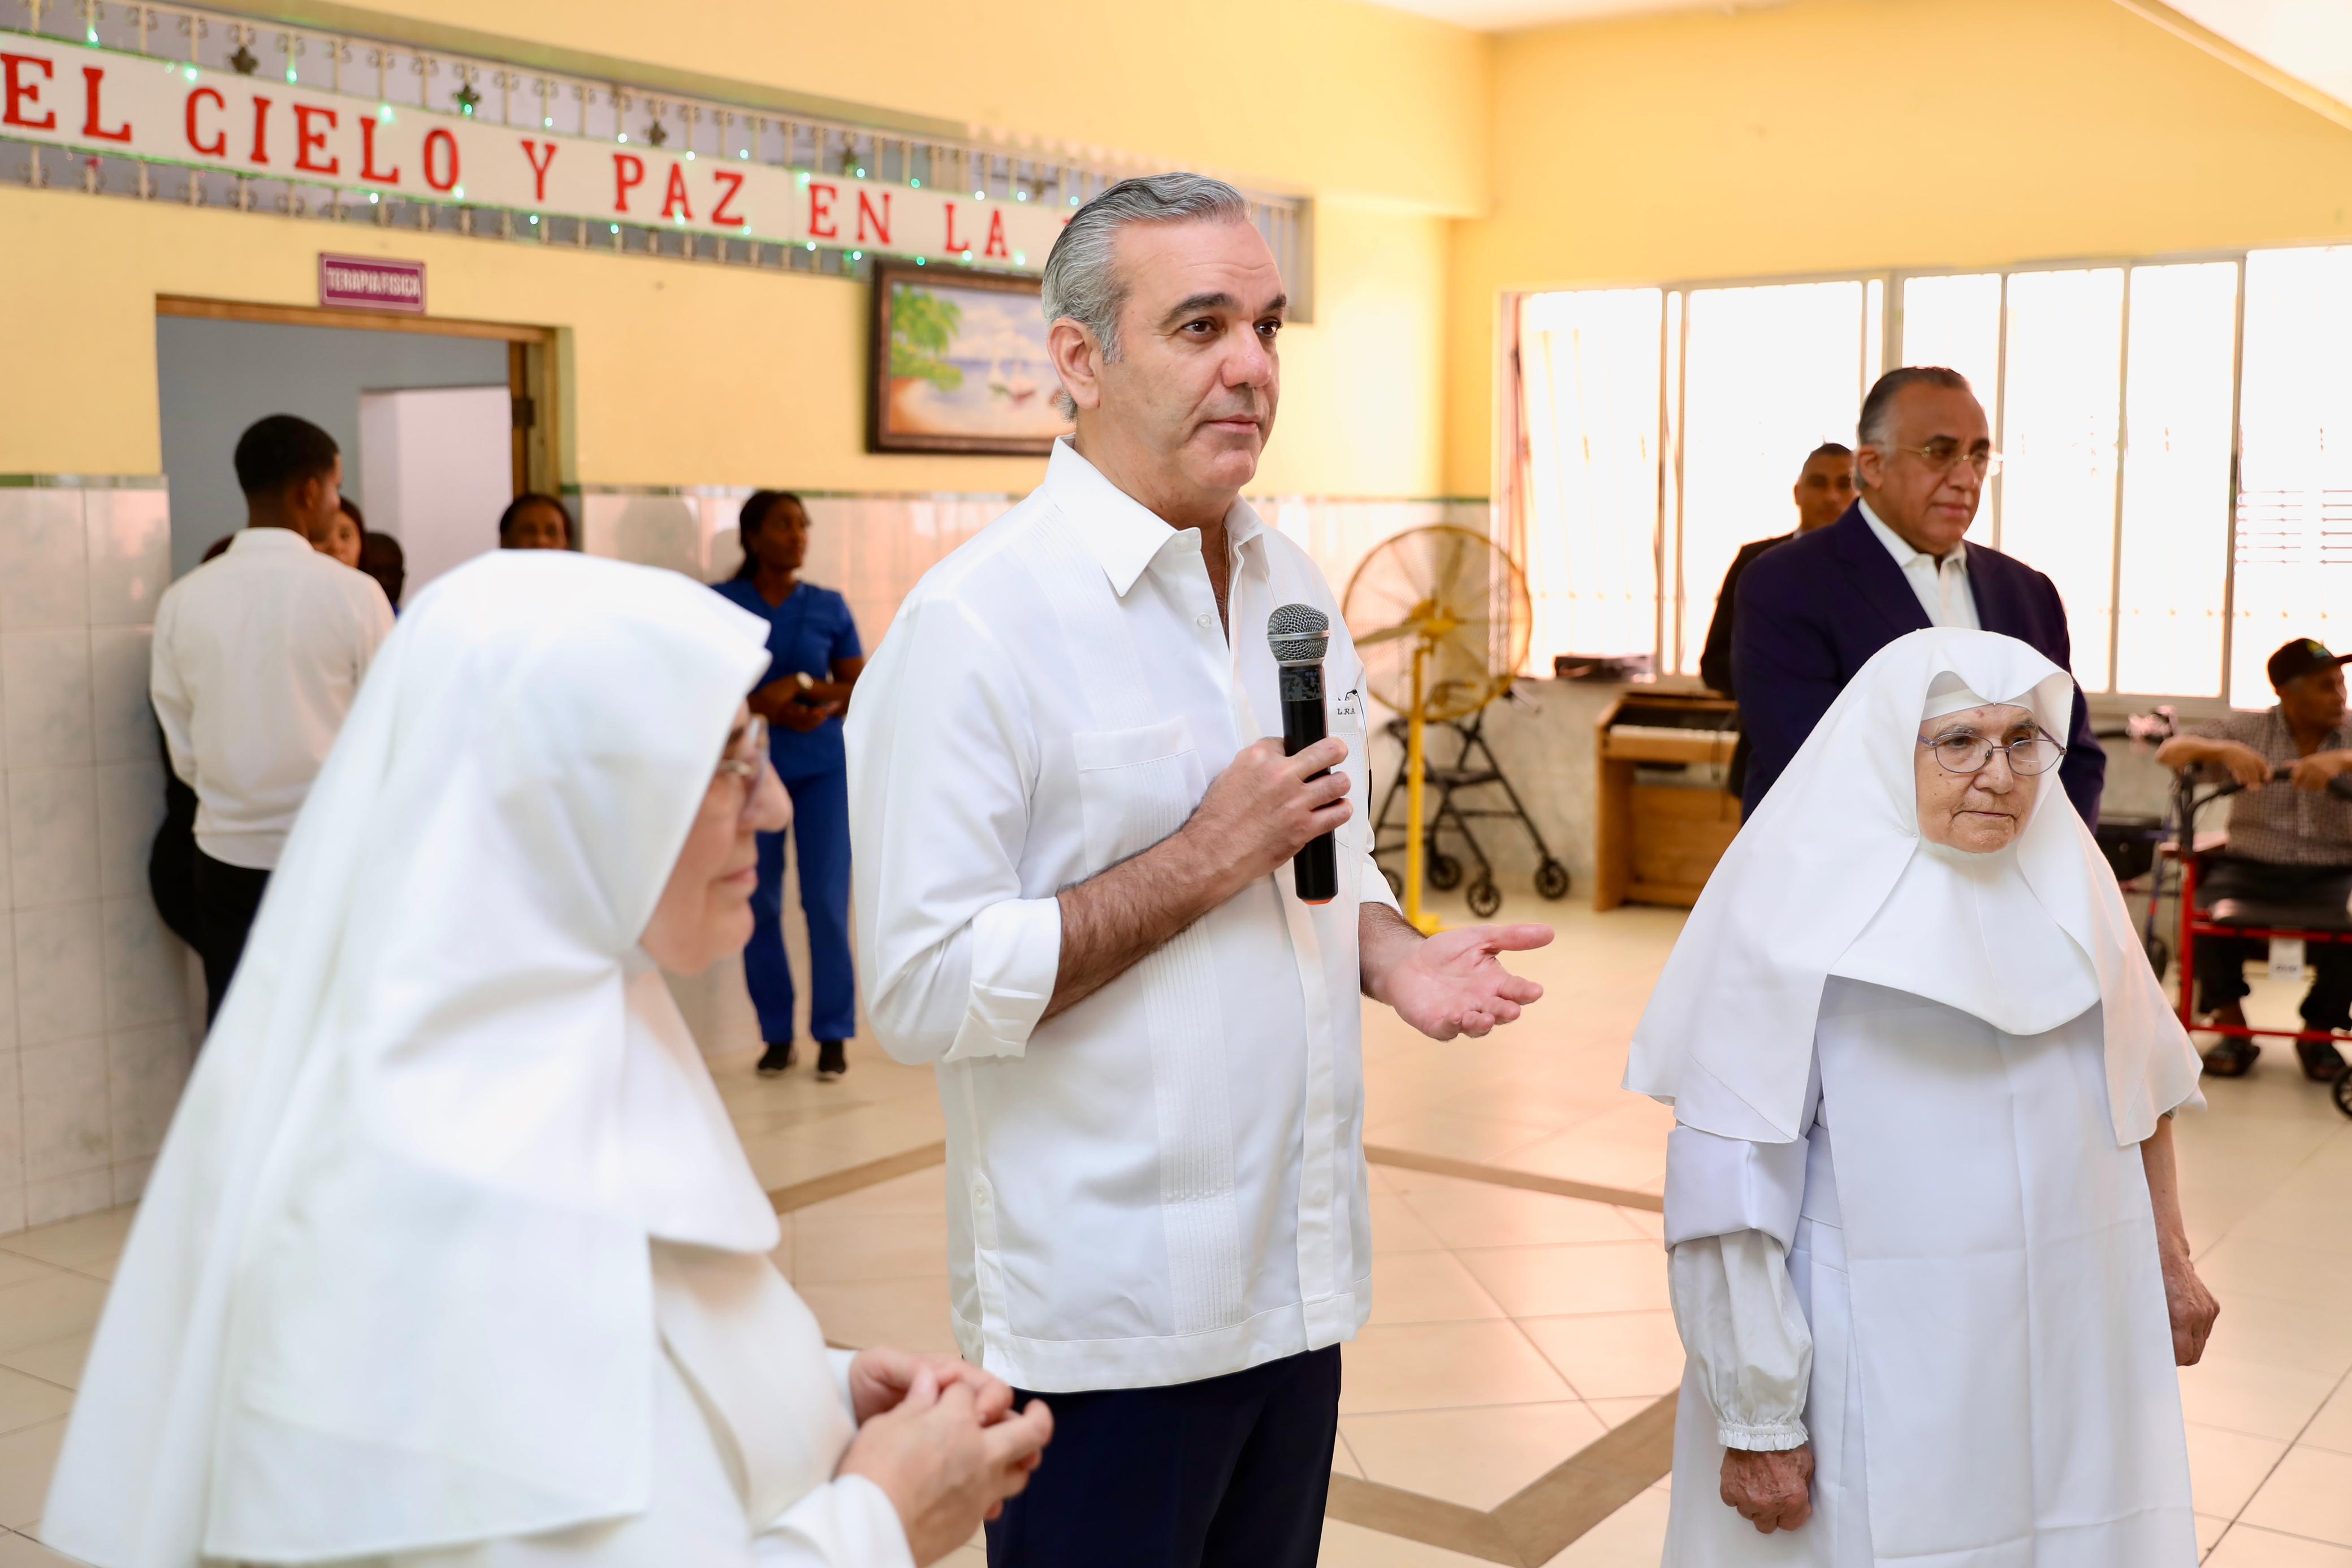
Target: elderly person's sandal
{"x":2321,"y":1060}
{"x":2231,"y":1059}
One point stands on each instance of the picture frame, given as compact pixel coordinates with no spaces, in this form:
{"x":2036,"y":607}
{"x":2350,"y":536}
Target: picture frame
{"x":958,"y":363}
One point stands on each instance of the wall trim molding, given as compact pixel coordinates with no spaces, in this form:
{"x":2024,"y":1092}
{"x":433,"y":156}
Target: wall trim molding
{"x":326,"y":16}
{"x":84,"y":482}
{"x":276,"y":315}
{"x":968,"y":497}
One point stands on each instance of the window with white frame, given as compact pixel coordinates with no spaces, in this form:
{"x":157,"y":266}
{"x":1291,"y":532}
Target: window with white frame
{"x":1660,"y":429}
{"x":2292,"y":539}
{"x":1767,"y":372}
{"x":1657,"y":425}
{"x":1593,"y":371}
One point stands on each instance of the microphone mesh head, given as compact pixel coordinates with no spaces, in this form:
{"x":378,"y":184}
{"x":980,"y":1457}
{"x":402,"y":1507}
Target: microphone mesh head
{"x":1298,"y":633}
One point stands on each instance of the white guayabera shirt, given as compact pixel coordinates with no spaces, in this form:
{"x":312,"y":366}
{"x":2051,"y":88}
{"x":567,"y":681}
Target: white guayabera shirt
{"x":1166,"y":1182}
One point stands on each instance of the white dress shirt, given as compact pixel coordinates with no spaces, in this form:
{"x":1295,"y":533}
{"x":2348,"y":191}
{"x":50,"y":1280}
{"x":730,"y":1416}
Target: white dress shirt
{"x":1942,"y":585}
{"x":259,"y":654}
{"x":1733,"y":1211}
{"x":1165,"y":1182}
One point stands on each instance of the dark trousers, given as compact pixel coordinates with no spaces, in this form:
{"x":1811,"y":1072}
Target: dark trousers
{"x":227,"y":898}
{"x":820,"y":840}
{"x":1228,"y":1472}
{"x":2222,"y":960}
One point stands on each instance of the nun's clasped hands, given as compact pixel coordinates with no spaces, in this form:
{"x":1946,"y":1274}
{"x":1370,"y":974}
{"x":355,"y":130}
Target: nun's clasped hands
{"x":940,"y":1437}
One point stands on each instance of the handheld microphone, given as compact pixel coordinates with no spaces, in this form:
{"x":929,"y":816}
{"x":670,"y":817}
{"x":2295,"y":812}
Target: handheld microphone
{"x":1299,"y":634}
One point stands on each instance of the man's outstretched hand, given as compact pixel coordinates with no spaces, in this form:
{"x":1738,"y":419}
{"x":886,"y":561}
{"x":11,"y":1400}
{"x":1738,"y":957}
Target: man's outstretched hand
{"x":1449,"y":984}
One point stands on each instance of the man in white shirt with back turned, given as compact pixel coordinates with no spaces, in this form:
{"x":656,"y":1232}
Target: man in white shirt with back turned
{"x":1072,"y":823}
{"x":258,"y":655}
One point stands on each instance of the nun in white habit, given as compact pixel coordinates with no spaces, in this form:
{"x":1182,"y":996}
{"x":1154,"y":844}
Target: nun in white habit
{"x":1945,"y":1333}
{"x":452,"y":1258}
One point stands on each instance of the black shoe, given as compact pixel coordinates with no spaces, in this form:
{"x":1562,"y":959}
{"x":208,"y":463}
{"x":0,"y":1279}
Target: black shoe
{"x":777,"y":1058}
{"x":2321,"y":1060}
{"x":831,"y":1060}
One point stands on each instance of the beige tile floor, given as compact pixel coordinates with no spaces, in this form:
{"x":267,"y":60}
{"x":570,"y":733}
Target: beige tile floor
{"x":1511,"y":1328}
{"x":1449,"y":1392}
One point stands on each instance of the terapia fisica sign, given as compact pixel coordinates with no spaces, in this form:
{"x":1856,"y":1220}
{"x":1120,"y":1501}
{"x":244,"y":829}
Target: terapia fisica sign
{"x":100,"y":100}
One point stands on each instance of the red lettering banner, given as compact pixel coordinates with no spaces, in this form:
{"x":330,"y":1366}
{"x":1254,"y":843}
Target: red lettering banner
{"x":134,"y":106}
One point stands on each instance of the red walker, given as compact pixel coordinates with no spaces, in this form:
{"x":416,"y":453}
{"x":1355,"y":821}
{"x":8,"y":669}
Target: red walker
{"x":2245,"y":918}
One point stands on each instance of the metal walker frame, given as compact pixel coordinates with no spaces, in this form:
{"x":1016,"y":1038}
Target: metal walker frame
{"x":2188,"y":800}
{"x":1474,"y":768}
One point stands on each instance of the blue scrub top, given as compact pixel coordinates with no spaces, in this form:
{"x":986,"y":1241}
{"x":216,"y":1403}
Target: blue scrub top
{"x":808,"y":632}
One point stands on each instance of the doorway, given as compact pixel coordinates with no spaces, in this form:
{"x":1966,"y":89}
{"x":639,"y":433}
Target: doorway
{"x":441,"y":423}
{"x":435,"y":463}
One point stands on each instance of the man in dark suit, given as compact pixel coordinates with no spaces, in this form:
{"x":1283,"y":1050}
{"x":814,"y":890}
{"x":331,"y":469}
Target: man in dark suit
{"x":1812,"y":612}
{"x":1825,"y":489}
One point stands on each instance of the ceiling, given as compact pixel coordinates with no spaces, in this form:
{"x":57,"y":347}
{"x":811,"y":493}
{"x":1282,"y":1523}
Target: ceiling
{"x":2310,"y":40}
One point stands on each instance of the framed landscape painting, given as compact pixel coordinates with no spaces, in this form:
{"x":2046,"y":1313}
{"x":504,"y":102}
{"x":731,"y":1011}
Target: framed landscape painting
{"x":959,"y":363}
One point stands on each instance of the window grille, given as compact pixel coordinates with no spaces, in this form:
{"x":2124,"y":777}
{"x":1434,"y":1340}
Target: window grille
{"x":2177,"y":436}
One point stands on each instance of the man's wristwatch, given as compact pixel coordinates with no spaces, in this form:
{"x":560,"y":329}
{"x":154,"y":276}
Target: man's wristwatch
{"x":807,"y":684}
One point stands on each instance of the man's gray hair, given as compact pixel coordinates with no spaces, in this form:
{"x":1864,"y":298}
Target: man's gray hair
{"x":1878,"y":407}
{"x":1082,"y":280}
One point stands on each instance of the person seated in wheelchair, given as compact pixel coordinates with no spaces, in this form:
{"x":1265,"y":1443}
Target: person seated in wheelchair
{"x":2290,"y":843}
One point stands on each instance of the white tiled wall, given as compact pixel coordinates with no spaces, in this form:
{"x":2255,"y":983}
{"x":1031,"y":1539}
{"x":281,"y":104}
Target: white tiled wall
{"x":1547,"y":745}
{"x":94,"y":1041}
{"x":96,"y":1029}
{"x":874,"y":549}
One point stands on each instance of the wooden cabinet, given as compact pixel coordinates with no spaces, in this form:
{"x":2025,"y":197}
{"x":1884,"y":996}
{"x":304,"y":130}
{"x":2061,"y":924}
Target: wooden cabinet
{"x":1658,"y":842}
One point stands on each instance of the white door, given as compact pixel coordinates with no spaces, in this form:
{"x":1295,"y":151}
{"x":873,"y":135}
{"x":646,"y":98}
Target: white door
{"x":437,"y":467}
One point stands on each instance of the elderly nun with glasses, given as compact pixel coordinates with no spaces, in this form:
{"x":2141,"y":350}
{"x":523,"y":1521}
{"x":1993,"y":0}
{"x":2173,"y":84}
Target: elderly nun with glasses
{"x":1946,"y":1332}
{"x":452,"y":1259}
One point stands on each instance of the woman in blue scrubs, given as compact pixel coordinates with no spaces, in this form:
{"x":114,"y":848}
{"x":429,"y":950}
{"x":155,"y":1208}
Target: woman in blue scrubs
{"x":815,"y":659}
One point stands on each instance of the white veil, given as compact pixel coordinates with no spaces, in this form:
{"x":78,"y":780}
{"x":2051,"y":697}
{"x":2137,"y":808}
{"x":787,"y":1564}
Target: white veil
{"x":390,"y":1285}
{"x":1727,"y":1037}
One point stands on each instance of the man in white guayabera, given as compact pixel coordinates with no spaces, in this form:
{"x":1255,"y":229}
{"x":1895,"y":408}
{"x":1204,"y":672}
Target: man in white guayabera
{"x":1074,"y":822}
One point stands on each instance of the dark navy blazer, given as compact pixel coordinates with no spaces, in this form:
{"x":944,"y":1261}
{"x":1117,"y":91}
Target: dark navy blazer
{"x":1812,"y":612}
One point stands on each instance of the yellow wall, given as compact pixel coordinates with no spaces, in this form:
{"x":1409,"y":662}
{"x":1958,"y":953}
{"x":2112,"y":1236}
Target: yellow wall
{"x":678,"y":374}
{"x":1326,"y":96}
{"x":1446,"y":168}
{"x":1363,"y":389}
{"x":1843,"y":134}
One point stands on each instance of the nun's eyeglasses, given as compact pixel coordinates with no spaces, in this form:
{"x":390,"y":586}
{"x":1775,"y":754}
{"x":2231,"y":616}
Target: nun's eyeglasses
{"x":1959,"y":751}
{"x":747,"y":759}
